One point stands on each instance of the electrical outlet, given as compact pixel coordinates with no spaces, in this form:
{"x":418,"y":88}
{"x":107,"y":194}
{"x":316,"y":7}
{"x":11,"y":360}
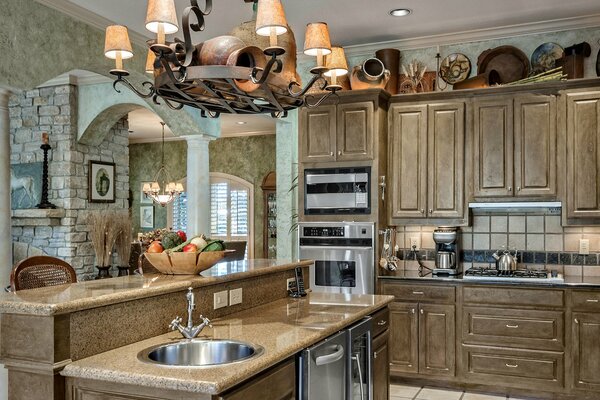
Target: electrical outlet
{"x":220,"y":299}
{"x":584,"y":246}
{"x":290,"y":283}
{"x":415,"y":241}
{"x":235,"y":296}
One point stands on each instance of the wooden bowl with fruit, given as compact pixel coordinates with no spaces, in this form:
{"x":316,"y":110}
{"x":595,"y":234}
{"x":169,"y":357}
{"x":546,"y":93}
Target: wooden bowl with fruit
{"x":174,"y":254}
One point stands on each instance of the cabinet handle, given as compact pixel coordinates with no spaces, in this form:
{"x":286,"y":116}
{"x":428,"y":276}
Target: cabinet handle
{"x":510,"y":188}
{"x":339,"y":152}
{"x":331,"y":153}
{"x":512,"y":326}
{"x":576,"y":321}
{"x":512,"y":365}
{"x":382,"y":322}
{"x":422,"y":211}
{"x":592,"y":300}
{"x":419,"y":293}
{"x":430,"y":211}
{"x":421,"y":310}
{"x":518,"y":188}
{"x":412,"y":310}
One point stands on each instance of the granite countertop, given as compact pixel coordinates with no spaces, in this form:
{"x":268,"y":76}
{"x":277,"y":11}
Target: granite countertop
{"x":409,"y":274}
{"x":283,"y":328}
{"x":90,"y":294}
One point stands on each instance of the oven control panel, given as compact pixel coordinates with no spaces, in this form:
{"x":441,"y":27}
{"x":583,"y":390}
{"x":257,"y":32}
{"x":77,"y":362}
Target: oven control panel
{"x":319,"y":231}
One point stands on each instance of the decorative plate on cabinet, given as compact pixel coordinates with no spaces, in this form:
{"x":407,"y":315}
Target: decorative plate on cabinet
{"x":455,"y":68}
{"x":545,"y":56}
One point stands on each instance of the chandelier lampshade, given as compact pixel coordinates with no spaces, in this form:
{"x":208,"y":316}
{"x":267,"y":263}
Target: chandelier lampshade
{"x":161,"y":14}
{"x":270,"y":18}
{"x":336,"y":65}
{"x":117,"y":45}
{"x":316,"y":40}
{"x":150,"y":58}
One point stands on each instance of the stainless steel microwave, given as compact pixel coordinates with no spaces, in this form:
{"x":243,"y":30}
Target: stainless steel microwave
{"x":337,"y":191}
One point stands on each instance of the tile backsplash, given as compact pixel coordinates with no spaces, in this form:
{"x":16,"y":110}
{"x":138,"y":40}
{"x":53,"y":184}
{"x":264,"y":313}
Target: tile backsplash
{"x":540,"y":240}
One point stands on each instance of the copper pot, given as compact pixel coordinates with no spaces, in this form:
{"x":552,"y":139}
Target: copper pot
{"x":370,"y":75}
{"x":250,"y":57}
{"x":391,"y":60}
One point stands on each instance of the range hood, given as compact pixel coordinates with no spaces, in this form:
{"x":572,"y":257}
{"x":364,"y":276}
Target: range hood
{"x":530,"y":207}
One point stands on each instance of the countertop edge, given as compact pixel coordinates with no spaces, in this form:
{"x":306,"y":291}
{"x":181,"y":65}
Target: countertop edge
{"x":73,"y":370}
{"x":41,"y":309}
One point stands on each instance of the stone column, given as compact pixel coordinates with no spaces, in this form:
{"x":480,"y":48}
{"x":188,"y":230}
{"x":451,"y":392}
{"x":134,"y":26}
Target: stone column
{"x":5,"y":222}
{"x":5,"y":245}
{"x":198,"y":184}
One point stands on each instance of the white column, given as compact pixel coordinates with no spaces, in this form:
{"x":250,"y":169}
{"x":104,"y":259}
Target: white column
{"x":5,"y":222}
{"x":198,"y":185}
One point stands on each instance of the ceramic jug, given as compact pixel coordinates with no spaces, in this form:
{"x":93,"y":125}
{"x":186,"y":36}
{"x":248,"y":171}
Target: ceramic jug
{"x":370,"y":75}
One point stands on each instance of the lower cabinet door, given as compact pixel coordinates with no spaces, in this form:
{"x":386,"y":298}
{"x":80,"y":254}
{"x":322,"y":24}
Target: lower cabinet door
{"x":278,"y":383}
{"x":381,"y":367}
{"x":586,"y":351}
{"x":404,"y":337}
{"x":437,"y":339}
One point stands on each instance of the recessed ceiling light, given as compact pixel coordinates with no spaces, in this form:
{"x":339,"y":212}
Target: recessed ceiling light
{"x":400,"y":12}
{"x":241,"y":122}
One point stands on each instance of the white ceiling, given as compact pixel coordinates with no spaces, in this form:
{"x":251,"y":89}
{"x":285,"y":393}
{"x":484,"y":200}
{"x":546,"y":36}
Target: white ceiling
{"x":353,"y":22}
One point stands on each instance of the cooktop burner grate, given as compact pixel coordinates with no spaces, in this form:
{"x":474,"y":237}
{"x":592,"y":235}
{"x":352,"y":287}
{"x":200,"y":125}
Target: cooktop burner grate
{"x":516,"y":275}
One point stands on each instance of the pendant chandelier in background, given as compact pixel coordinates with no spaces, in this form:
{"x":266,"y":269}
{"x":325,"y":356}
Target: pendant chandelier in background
{"x":162,"y":190}
{"x":251,"y":84}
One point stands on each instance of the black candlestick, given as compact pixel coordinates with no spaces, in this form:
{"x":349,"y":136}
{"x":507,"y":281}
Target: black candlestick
{"x":45,"y":203}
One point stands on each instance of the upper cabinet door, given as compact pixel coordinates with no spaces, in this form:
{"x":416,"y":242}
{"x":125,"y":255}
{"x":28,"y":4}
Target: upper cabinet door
{"x":583,"y":158}
{"x":408,"y":161}
{"x":535,"y":146}
{"x":317,"y":134}
{"x":446,"y":160}
{"x":493,"y":148}
{"x":355,"y":131}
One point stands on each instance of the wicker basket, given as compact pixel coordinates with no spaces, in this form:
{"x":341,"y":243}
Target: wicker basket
{"x":185,"y":263}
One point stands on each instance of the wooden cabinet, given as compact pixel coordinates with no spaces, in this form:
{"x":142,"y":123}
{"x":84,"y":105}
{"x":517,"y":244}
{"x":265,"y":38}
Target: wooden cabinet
{"x":278,"y":383}
{"x":586,"y":351}
{"x":426,"y":168}
{"x":337,"y":133}
{"x":422,"y":335}
{"x":381,"y":363}
{"x":514,"y":143}
{"x":583,"y":156}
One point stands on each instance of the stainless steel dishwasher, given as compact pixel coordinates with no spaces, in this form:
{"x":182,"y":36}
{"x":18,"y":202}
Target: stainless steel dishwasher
{"x":322,"y":369}
{"x":359,"y":361}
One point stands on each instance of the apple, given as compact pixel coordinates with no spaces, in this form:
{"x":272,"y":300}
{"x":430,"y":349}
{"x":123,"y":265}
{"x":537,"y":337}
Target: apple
{"x":155,"y":247}
{"x":182,"y":235}
{"x":190,"y":248}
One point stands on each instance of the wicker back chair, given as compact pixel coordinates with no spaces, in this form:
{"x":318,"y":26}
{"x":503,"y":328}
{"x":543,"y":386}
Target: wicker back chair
{"x":40,"y":271}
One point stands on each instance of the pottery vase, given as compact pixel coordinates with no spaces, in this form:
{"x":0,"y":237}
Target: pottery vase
{"x":391,"y":60}
{"x":370,"y":75}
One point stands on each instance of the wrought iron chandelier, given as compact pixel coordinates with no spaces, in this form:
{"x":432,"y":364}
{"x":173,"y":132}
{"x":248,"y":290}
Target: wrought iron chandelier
{"x":179,"y":79}
{"x":162,"y":190}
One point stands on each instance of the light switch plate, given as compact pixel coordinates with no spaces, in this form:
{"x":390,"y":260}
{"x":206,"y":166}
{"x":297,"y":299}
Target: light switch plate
{"x":235,"y":296}
{"x":584,"y":246}
{"x":220,"y":299}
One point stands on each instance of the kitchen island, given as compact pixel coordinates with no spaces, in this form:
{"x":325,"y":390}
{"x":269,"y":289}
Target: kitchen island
{"x":44,"y":330}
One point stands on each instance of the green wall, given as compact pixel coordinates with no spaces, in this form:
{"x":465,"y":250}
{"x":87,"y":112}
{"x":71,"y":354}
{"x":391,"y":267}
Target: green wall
{"x":249,"y":158}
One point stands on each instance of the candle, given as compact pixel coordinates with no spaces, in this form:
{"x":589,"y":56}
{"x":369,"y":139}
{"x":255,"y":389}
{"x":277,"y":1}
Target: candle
{"x":438,"y":49}
{"x":44,"y":137}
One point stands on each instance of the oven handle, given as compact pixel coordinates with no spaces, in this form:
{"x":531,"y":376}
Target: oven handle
{"x":336,"y":247}
{"x":331,"y":358}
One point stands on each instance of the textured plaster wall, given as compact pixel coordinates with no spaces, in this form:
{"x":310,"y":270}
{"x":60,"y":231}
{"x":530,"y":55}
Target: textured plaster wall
{"x":527,"y":43}
{"x":249,"y":158}
{"x":144,"y":161}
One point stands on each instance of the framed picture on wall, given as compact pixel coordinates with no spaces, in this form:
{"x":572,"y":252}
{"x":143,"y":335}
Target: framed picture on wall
{"x":101,"y":182}
{"x":143,"y":198}
{"x":147,"y":217}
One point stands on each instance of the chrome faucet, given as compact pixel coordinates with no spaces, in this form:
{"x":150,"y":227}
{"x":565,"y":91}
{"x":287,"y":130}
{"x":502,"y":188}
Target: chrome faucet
{"x":190,"y":331}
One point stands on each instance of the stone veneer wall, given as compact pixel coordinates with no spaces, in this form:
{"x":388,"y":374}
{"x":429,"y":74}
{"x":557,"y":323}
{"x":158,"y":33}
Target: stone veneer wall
{"x":54,"y":110}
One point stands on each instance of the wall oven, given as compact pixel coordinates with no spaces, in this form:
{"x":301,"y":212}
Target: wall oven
{"x":343,"y":253}
{"x":337,"y":191}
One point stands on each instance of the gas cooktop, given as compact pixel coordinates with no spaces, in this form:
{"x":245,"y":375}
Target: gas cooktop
{"x":519,"y":275}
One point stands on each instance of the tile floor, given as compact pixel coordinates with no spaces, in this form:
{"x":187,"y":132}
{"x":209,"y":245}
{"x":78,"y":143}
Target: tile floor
{"x":409,"y":392}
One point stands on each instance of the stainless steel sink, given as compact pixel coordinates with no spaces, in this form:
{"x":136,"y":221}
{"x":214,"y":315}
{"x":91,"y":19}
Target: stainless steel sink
{"x":199,"y":353}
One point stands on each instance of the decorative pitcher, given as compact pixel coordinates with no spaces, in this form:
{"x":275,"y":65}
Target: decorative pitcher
{"x":370,"y":75}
